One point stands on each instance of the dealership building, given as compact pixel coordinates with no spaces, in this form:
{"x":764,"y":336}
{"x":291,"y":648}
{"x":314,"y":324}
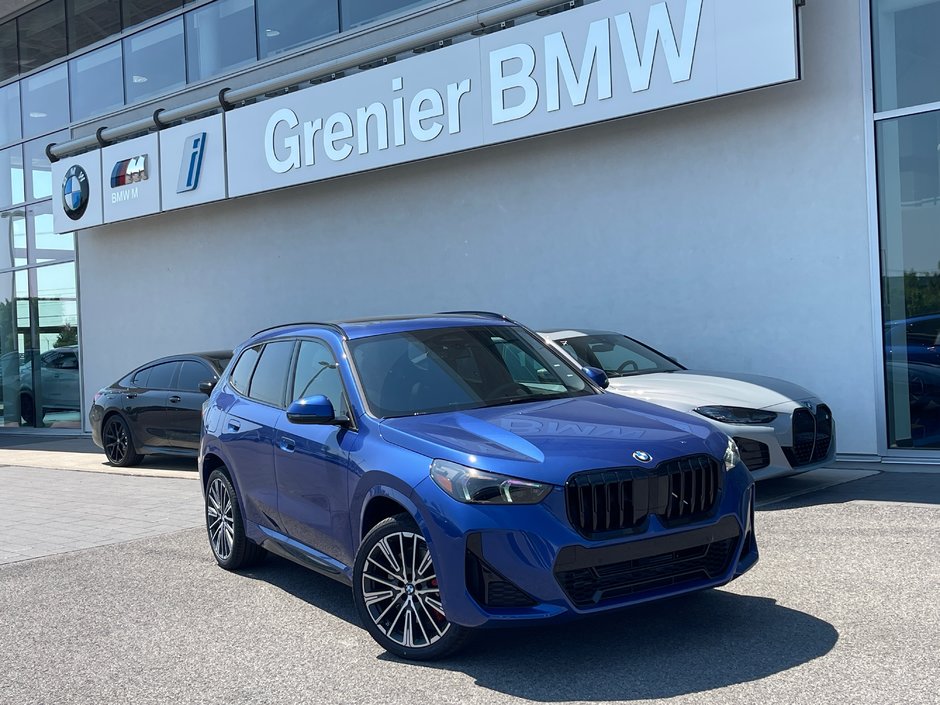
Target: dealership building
{"x":747,"y":186}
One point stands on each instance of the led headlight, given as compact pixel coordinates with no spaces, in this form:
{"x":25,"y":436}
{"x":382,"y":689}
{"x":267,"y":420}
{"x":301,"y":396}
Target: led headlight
{"x":479,"y":487}
{"x":736,"y":414}
{"x":732,"y":455}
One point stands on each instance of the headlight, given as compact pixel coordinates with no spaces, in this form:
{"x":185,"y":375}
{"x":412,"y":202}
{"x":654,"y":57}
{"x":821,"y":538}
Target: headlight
{"x":736,"y":414}
{"x":478,"y":487}
{"x":732,"y":456}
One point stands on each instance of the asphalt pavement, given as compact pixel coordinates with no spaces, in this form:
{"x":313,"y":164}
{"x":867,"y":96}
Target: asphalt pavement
{"x":842,"y":608}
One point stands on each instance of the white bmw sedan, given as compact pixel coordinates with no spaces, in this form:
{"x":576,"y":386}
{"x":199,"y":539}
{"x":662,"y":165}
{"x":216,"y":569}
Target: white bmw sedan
{"x":780,"y":428}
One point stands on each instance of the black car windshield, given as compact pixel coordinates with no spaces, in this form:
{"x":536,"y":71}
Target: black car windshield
{"x":617,"y":355}
{"x":450,"y":369}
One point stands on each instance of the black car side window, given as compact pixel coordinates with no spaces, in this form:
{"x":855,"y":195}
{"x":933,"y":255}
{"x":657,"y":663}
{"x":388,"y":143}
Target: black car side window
{"x":141,"y":378}
{"x":270,"y":376}
{"x":161,"y":376}
{"x":318,"y":373}
{"x":191,"y":374}
{"x":241,"y":375}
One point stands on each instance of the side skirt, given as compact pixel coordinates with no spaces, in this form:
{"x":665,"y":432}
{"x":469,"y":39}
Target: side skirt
{"x":311,"y":558}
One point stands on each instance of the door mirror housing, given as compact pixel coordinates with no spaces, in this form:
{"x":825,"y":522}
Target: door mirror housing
{"x":597,"y":376}
{"x":207,"y":387}
{"x":317,"y":409}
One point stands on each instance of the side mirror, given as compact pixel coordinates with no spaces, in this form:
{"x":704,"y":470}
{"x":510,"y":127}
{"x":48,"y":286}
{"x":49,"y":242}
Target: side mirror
{"x":207,"y":387}
{"x":597,"y":376}
{"x":317,"y":409}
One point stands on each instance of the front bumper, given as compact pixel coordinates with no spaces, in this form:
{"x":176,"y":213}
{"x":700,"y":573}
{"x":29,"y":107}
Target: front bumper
{"x":506,"y":564}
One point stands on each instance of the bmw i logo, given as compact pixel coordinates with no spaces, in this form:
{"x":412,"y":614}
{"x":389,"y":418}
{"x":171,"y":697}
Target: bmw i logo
{"x":642,"y":456}
{"x":75,"y":192}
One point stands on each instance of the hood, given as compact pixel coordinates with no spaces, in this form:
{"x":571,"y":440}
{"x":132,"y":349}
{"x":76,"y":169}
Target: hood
{"x":684,"y":390}
{"x":548,"y":441}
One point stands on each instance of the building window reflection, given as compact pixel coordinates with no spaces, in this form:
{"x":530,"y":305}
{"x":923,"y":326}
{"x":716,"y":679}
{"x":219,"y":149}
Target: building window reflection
{"x":220,"y":37}
{"x":285,"y":24}
{"x":46,"y":101}
{"x":97,"y":84}
{"x":154,"y":61}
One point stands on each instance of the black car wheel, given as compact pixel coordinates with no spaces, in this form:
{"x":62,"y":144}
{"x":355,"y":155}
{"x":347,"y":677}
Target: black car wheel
{"x":118,"y":444}
{"x":230,"y":546}
{"x":397,"y":595}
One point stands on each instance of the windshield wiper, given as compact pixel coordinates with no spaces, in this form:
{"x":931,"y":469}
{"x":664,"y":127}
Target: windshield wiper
{"x":529,"y":398}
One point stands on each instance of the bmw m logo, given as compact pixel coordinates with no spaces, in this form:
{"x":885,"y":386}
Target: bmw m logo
{"x":75,"y":192}
{"x":129,"y":171}
{"x":642,"y":456}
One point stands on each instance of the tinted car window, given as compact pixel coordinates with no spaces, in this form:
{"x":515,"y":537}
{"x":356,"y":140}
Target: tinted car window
{"x":191,"y":374}
{"x":270,"y":376}
{"x":617,"y":355}
{"x":241,"y":375}
{"x":141,"y":378}
{"x":161,"y":376}
{"x":318,"y":373}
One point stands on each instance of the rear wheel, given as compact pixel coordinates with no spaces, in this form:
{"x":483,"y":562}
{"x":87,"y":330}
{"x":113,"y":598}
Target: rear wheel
{"x":397,"y":595}
{"x":118,"y":444}
{"x":226,"y":528}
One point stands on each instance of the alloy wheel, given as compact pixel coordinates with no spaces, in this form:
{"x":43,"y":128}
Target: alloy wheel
{"x":401,"y":593}
{"x":221,"y":519}
{"x":116,"y":441}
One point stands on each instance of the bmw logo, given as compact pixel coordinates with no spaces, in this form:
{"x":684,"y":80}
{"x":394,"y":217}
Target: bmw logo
{"x":75,"y":192}
{"x":642,"y":456}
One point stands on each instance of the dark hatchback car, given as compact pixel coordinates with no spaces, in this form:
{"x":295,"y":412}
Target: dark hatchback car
{"x":156,"y":408}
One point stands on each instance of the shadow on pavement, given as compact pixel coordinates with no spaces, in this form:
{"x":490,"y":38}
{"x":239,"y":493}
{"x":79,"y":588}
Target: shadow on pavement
{"x":661,"y":650}
{"x":915,"y":488}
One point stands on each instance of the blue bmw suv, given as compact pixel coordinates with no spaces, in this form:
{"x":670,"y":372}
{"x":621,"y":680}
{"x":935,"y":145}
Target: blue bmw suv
{"x":458,"y":473}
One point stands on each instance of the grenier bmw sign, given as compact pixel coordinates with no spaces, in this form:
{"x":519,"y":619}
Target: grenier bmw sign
{"x":602,"y":61}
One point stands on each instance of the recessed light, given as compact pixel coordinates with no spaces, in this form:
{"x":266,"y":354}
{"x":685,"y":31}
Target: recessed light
{"x":138,"y":79}
{"x":271,"y":33}
{"x":38,"y":114}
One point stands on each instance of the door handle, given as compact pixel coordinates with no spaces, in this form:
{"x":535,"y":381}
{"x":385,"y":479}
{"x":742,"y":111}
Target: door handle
{"x":174,"y":399}
{"x":131,"y":396}
{"x":234,"y":425}
{"x":287,"y":444}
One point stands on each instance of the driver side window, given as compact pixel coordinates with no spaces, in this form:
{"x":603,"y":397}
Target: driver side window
{"x":318,"y":373}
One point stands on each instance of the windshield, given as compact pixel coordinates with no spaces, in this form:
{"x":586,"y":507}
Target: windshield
{"x":450,"y":369}
{"x":617,"y":355}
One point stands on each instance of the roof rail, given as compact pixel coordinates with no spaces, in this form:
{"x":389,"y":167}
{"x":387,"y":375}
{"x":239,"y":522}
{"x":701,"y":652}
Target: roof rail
{"x":485,"y":314}
{"x":332,"y":326}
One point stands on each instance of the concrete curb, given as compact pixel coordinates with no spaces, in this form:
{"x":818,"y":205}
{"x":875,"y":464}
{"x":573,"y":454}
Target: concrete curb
{"x":180,"y":468}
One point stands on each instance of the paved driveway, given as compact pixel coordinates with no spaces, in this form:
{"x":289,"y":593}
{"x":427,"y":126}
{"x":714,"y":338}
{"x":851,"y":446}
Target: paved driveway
{"x":841,"y":609}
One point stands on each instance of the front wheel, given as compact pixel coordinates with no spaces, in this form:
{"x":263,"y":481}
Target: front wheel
{"x":397,"y":595}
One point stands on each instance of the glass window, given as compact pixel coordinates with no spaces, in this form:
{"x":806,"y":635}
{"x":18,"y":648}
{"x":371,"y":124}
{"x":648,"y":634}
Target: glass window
{"x":38,"y":172}
{"x":11,"y":350}
{"x":42,"y":35}
{"x":44,"y":243}
{"x":357,"y":12}
{"x":154,"y":61}
{"x":161,"y":376}
{"x":241,"y":375}
{"x":318,"y":373}
{"x":97,"y":84}
{"x":286,"y":24}
{"x":141,"y":378}
{"x":137,"y":11}
{"x":220,"y":37}
{"x":907,"y":53}
{"x":46,"y":101}
{"x":909,"y":210}
{"x":10,"y":114}
{"x":90,"y":21}
{"x":270,"y":376}
{"x":617,"y":355}
{"x":9,"y":59}
{"x":191,"y":374}
{"x":11,"y":177}
{"x":14,"y":233}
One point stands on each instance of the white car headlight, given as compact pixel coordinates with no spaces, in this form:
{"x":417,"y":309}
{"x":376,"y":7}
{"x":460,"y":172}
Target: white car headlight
{"x":732,"y":455}
{"x":474,"y":486}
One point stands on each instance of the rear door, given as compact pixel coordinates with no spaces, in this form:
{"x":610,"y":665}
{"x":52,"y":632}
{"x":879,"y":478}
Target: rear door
{"x":144,"y":404}
{"x":184,"y":404}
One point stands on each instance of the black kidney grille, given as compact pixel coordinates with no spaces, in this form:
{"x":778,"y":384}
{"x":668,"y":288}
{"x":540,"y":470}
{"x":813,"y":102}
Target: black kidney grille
{"x":812,"y":436}
{"x":588,"y":587}
{"x":604,"y":503}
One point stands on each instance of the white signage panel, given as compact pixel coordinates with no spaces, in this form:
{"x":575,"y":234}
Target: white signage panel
{"x":130,"y":179}
{"x":605,"y":60}
{"x":76,"y":192}
{"x":192,"y":163}
{"x":418,"y":108}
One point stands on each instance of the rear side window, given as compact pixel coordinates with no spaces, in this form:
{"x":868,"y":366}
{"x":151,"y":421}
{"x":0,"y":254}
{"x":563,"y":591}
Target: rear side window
{"x":191,"y":374}
{"x":140,"y":379}
{"x":161,"y":376}
{"x":270,"y":376}
{"x":241,"y":375}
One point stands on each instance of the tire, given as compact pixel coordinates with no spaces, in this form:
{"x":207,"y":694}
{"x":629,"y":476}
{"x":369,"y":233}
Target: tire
{"x":226,"y":528}
{"x":118,"y":443}
{"x":397,"y":596}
